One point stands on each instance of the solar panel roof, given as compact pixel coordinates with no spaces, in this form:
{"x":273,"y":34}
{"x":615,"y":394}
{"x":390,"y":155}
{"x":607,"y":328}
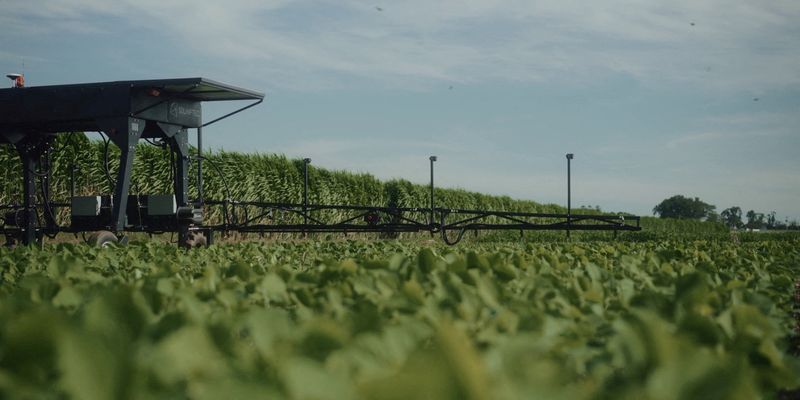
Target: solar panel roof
{"x":200,"y":89}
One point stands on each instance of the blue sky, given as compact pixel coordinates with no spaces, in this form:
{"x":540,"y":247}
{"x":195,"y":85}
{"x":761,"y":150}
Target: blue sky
{"x":700,"y":98}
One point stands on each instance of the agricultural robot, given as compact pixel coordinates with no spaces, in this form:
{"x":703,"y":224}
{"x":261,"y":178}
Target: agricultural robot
{"x":165,"y":111}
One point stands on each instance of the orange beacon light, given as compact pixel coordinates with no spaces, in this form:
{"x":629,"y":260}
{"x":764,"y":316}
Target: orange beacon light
{"x":19,"y":80}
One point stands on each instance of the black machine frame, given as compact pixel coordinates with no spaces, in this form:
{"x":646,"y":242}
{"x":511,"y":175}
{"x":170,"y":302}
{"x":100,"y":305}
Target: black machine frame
{"x":129,"y":111}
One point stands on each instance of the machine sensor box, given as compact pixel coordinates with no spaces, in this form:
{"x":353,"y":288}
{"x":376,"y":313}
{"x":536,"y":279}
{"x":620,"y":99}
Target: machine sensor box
{"x":161,"y":204}
{"x":86,"y":206}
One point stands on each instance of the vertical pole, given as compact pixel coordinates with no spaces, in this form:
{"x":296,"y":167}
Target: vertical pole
{"x":569,"y":193}
{"x":306,"y":161}
{"x":200,"y":166}
{"x":433,"y":204}
{"x":180,"y":146}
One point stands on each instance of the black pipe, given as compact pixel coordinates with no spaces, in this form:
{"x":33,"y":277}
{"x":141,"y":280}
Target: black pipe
{"x":71,"y":181}
{"x":200,"y":166}
{"x":233,"y":113}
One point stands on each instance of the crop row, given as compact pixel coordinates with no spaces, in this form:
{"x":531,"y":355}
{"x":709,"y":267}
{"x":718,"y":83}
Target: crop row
{"x":393,"y":320}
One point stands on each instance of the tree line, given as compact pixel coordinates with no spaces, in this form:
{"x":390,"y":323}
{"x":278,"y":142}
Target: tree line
{"x":683,"y":207}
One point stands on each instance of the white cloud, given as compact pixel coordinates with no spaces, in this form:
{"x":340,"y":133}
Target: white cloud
{"x":693,"y":139}
{"x":738,"y":45}
{"x":745,"y":126}
{"x":771,"y":121}
{"x":18,"y":59}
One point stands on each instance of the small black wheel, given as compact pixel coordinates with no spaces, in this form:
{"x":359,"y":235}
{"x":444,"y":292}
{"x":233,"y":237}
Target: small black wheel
{"x":195,"y":239}
{"x":101,"y":239}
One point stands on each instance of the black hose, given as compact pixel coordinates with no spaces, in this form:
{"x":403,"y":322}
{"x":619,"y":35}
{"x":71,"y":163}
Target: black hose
{"x":45,"y":191}
{"x":46,"y":200}
{"x":444,"y":231}
{"x":66,"y":141}
{"x":172,"y":171}
{"x":458,"y":238}
{"x":224,"y":184}
{"x":153,"y":143}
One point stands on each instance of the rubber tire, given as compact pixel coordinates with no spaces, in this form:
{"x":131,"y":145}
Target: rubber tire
{"x":101,"y":239}
{"x":195,"y":239}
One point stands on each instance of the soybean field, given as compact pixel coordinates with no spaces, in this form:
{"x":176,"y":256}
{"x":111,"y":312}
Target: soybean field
{"x":389,"y":319}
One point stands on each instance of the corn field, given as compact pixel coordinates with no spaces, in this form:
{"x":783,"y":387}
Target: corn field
{"x":258,"y":177}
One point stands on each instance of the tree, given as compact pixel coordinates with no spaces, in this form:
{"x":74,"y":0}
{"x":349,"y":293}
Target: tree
{"x":754,"y":220}
{"x":772,"y":223}
{"x":732,"y":217}
{"x":683,"y":207}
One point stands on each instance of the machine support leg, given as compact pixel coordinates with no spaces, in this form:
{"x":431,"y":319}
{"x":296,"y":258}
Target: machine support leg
{"x":125,"y":133}
{"x":180,"y":145}
{"x":120,"y":202}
